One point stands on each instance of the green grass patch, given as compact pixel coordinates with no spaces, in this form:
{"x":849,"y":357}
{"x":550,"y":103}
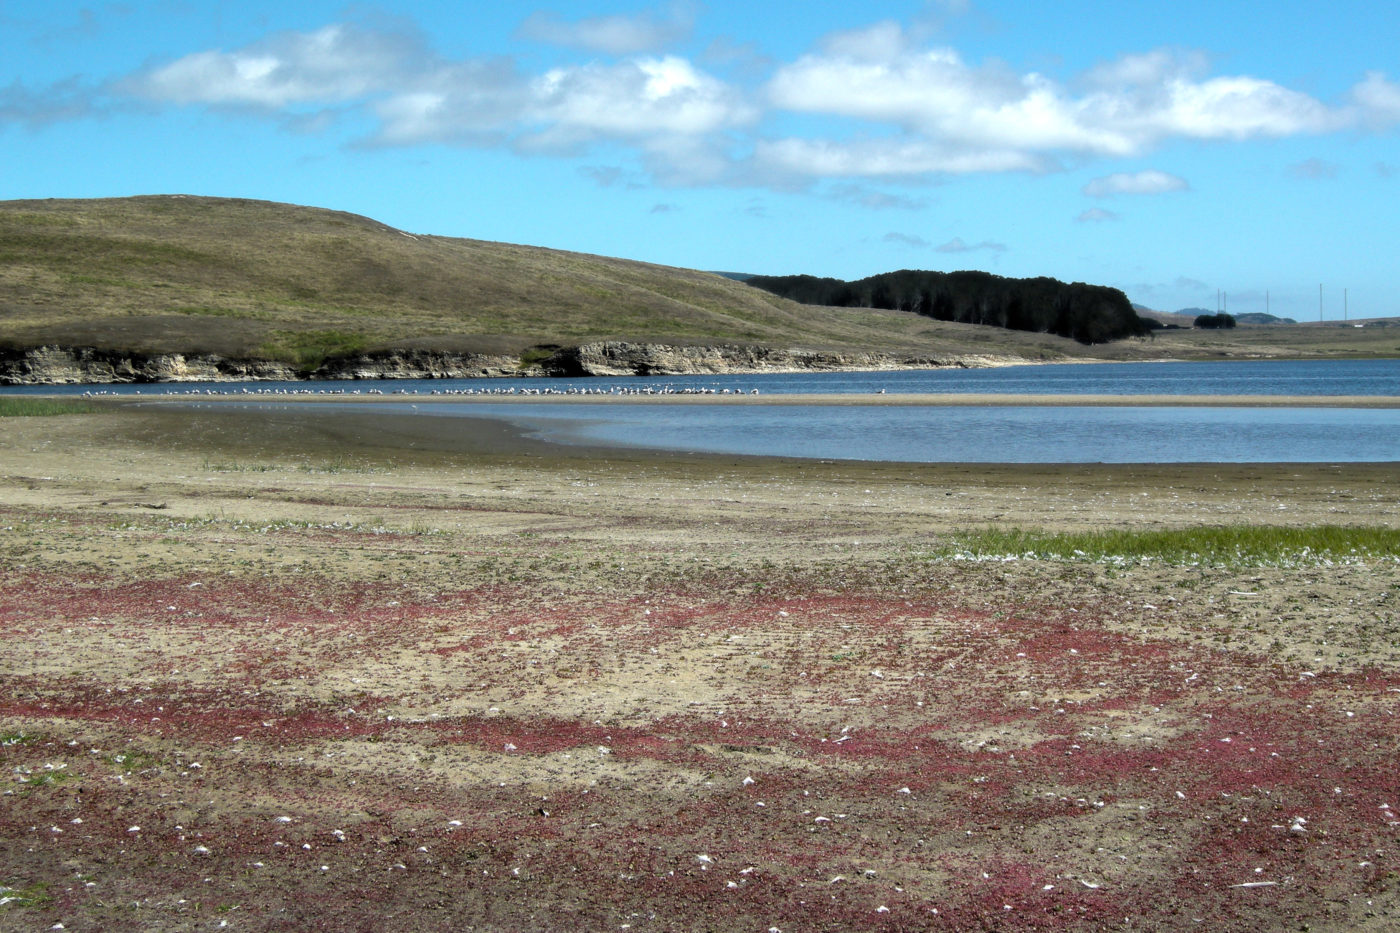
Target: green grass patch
{"x":221,"y":467}
{"x":1227,"y":545}
{"x":309,"y":349}
{"x":10,"y":739}
{"x":25,"y":895}
{"x":247,"y":314}
{"x":28,"y":780}
{"x":20,"y":407}
{"x":536,"y":355}
{"x":132,"y":761}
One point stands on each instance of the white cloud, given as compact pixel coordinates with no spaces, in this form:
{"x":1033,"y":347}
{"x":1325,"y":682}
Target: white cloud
{"x":1096,"y":215}
{"x":57,"y":103}
{"x":1239,"y":108}
{"x":334,"y":63}
{"x":645,"y":97}
{"x":662,"y":104}
{"x":878,"y":103}
{"x":875,"y":200}
{"x":1147,"y":182}
{"x":472,"y":103}
{"x":1378,"y":99}
{"x":1313,"y":168}
{"x":905,"y":239}
{"x":988,"y":118}
{"x":885,"y":158}
{"x":614,"y":35}
{"x":879,"y":42}
{"x":958,"y":245}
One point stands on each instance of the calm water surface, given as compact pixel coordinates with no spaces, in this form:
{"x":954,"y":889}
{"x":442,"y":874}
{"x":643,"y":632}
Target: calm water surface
{"x":1252,"y":377}
{"x":933,"y":434}
{"x":1065,"y":434}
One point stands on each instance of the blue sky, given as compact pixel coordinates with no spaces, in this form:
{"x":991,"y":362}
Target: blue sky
{"x":1177,"y":151}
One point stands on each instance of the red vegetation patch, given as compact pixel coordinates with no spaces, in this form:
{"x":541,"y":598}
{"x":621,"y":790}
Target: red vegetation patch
{"x":833,"y":762}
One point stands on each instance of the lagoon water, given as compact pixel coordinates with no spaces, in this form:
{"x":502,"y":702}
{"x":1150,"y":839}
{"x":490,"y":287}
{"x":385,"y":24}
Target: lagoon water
{"x":1251,"y":377}
{"x":932,"y":433}
{"x":974,"y":434}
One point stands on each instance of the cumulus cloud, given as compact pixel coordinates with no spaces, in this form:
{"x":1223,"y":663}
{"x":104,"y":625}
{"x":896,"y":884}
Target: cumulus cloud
{"x":643,"y":97}
{"x":958,"y":245}
{"x":56,"y":103}
{"x":874,"y":104}
{"x":1313,"y":168}
{"x":905,"y":239}
{"x":1096,"y":215}
{"x":1148,"y":182}
{"x":661,"y":104}
{"x":1378,"y":99}
{"x":987,"y":117}
{"x":875,"y":200}
{"x":334,"y":63}
{"x":614,"y":35}
{"x":608,"y":176}
{"x":885,"y":158}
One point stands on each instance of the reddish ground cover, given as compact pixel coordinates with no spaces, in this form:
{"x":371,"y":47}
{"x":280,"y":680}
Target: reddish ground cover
{"x":304,"y":755}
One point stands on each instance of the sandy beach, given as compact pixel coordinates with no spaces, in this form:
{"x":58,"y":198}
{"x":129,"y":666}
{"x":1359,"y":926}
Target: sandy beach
{"x":310,"y":669}
{"x":922,"y":398}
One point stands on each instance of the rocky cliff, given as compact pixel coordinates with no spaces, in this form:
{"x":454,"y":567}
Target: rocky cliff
{"x":618,"y":358}
{"x":56,"y":365}
{"x":68,"y":365}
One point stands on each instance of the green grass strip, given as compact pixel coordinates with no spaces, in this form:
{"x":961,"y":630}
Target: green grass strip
{"x":1227,"y":545}
{"x":13,"y":406}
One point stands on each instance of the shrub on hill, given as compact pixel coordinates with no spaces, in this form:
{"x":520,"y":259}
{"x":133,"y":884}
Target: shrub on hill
{"x":1215,"y":321}
{"x":1086,"y":313}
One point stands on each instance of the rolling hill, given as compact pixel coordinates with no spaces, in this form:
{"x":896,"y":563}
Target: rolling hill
{"x":312,"y":290}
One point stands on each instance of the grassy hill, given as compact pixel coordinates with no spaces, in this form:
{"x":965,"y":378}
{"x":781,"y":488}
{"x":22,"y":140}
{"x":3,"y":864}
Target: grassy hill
{"x":251,"y":279}
{"x":257,"y":280}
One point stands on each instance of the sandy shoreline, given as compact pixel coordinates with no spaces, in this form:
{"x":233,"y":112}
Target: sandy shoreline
{"x":911,"y":399}
{"x":325,"y":670}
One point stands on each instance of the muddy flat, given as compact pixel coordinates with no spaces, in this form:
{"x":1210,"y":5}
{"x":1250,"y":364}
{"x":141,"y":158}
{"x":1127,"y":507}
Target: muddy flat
{"x":317,"y":670}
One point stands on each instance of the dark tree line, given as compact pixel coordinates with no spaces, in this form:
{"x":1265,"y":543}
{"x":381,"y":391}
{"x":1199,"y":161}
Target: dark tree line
{"x":1215,"y":321}
{"x":1086,"y":313}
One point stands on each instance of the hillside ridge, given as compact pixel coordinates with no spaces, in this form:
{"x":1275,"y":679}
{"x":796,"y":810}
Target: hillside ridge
{"x":181,"y":288}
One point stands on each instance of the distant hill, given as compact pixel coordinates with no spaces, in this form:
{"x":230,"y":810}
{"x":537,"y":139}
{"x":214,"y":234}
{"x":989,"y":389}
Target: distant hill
{"x":1260,"y":317}
{"x":247,"y":278}
{"x":164,"y":287}
{"x":301,"y":286}
{"x":1186,"y":316}
{"x":1088,"y":314}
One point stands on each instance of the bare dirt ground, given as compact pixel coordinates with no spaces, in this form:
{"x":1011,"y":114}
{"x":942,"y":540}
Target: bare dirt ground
{"x":314,"y":671}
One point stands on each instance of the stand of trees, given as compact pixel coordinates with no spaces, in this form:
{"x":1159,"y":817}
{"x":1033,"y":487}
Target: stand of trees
{"x":1215,"y":321}
{"x":1086,"y":313}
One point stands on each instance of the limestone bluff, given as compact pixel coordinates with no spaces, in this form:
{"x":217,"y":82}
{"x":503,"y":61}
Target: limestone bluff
{"x":60,"y":365}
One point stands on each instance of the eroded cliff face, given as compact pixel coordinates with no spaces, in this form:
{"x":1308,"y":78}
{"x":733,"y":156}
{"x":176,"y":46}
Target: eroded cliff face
{"x":619,"y":358}
{"x":54,"y":365}
{"x":71,"y":366}
{"x":420,"y":364}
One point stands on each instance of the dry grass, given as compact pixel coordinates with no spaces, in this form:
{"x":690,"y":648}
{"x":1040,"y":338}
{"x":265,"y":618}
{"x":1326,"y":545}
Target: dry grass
{"x":248,"y":278}
{"x":259,"y":672}
{"x":253,"y":279}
